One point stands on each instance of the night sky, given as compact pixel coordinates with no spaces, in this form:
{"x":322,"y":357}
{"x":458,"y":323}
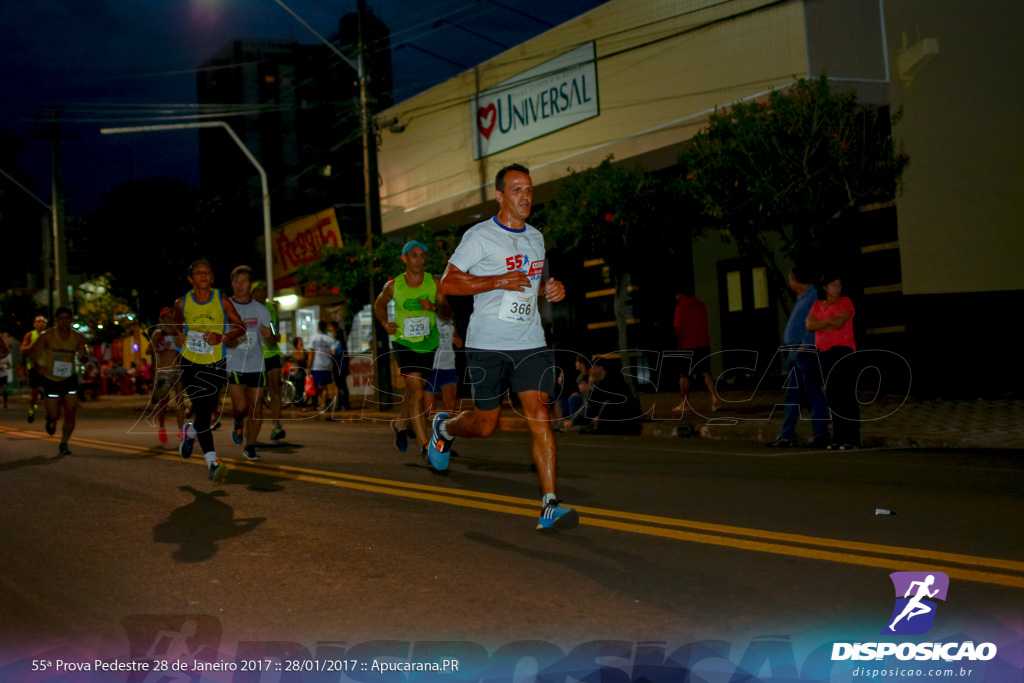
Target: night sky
{"x":111,"y":63}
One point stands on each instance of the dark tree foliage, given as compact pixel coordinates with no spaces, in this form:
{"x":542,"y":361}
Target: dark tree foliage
{"x":147,"y":233}
{"x":625,"y":216}
{"x":17,"y":311}
{"x":791,"y":168}
{"x":358,"y":270}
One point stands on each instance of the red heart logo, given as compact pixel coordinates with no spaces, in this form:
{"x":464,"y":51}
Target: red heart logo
{"x":485,"y":114}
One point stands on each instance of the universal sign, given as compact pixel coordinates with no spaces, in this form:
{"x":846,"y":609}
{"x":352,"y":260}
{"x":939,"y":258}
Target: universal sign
{"x":555,"y":95}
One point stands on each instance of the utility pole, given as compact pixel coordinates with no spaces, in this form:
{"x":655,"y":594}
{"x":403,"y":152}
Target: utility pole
{"x":371,"y":195}
{"x":47,"y":261}
{"x":59,"y":283}
{"x":47,"y":236}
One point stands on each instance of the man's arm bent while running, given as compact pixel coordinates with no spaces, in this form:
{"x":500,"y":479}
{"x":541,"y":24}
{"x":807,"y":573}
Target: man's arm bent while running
{"x":454,"y":282}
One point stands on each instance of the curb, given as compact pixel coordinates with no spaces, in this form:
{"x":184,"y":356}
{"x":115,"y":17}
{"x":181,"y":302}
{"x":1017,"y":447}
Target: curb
{"x":749,"y":430}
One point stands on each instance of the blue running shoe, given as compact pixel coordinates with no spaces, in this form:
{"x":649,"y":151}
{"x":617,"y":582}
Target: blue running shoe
{"x":401,"y":437}
{"x":236,"y":433}
{"x":555,"y":517}
{"x":440,"y":447}
{"x":188,"y":440}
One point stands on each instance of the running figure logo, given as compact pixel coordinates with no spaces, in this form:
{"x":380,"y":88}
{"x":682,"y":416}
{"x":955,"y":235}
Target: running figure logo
{"x":914,"y":612}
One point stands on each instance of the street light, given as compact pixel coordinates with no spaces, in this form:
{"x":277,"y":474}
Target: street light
{"x":248,"y":154}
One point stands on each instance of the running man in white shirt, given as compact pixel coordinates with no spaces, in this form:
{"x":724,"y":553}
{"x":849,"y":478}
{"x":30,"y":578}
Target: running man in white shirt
{"x":500,"y":262}
{"x":443,"y":379}
{"x":247,"y":377}
{"x":321,"y":362}
{"x":167,"y":386}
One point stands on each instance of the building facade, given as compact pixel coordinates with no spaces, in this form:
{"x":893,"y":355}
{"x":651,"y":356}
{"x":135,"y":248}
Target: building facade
{"x":948,"y":245}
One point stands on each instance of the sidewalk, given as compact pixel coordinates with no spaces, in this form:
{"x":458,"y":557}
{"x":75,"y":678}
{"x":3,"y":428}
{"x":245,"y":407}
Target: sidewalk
{"x":887,"y":421}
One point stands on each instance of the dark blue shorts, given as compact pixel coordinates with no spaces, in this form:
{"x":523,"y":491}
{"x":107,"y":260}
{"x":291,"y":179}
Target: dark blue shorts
{"x":441,"y":378}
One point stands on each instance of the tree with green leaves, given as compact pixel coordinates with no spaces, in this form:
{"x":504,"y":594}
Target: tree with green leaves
{"x":360,"y":271}
{"x":621,"y":214}
{"x":105,"y":316}
{"x":788,"y":169}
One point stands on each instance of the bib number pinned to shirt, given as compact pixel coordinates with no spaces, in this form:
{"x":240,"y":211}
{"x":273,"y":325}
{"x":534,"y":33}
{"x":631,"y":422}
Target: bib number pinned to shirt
{"x":61,"y":368}
{"x":196,"y":343}
{"x":416,"y":327}
{"x":518,"y":307}
{"x":248,"y":339}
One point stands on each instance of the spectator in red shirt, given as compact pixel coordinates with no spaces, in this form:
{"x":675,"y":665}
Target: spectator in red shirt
{"x":691,"y":327}
{"x":831,"y":321}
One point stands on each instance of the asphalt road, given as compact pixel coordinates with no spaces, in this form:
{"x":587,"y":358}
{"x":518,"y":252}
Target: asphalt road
{"x":335,"y":537}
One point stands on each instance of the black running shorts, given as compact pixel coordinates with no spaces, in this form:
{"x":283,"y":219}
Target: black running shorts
{"x":253,"y":380}
{"x":54,"y":389}
{"x":492,"y":374}
{"x":411,"y":361}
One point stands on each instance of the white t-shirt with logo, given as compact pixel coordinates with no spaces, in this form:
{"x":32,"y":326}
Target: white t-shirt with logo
{"x":503,"y":320}
{"x":444,"y":357}
{"x":248,"y":355}
{"x":321,"y":344}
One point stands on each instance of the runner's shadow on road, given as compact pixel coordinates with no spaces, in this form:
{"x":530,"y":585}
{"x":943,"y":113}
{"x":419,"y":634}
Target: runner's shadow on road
{"x":466,"y":473}
{"x":31,"y":462}
{"x":280,"y":447}
{"x":531,"y":553}
{"x":474,"y":464}
{"x":613,"y":567}
{"x":199,"y":527}
{"x":255,"y":481}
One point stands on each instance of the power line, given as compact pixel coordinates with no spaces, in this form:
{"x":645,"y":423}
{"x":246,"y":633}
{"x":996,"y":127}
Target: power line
{"x":465,"y":99}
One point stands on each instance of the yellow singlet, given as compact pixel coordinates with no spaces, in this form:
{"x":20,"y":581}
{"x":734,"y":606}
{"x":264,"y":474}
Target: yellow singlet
{"x":199,"y":319}
{"x":58,"y":357}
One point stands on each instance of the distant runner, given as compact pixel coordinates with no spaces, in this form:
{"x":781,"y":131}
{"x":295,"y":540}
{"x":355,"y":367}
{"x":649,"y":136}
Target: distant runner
{"x":54,"y":353}
{"x":167,"y":378}
{"x":34,"y":378}
{"x":271,"y":359}
{"x":5,"y":364}
{"x":444,"y":381}
{"x":247,"y":379}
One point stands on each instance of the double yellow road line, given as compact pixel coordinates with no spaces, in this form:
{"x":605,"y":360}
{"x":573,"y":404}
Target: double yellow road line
{"x":891,"y":558}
